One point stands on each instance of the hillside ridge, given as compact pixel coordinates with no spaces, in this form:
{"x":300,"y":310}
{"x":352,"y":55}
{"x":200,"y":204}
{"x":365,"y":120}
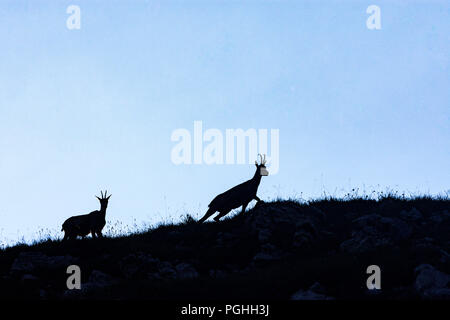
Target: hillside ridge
{"x":277,"y":250}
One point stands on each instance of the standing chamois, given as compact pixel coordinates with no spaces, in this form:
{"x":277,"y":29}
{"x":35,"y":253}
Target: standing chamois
{"x":237,"y":196}
{"x":88,"y":223}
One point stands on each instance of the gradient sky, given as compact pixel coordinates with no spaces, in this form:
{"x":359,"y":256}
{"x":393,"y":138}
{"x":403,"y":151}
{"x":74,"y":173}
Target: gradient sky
{"x":90,"y":109}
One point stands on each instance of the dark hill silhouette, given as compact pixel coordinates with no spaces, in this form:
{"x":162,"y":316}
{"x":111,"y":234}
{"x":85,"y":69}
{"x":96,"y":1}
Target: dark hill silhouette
{"x":277,"y":250}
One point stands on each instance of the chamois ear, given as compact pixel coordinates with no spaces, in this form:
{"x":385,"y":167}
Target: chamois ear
{"x":109,"y":197}
{"x":98,"y":198}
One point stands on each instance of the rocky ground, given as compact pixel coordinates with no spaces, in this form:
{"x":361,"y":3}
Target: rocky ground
{"x":276,"y":251}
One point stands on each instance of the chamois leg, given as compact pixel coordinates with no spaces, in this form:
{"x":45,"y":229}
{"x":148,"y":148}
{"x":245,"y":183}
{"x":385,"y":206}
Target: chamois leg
{"x":208,"y":214}
{"x":259,"y":202}
{"x":99,"y":234}
{"x":221,"y":214}
{"x":244,"y":206}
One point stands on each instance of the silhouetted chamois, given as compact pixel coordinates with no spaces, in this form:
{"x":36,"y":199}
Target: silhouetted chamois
{"x":88,"y":223}
{"x":237,"y":196}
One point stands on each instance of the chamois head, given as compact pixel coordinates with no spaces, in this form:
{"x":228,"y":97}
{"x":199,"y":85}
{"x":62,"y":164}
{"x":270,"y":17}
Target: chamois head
{"x":104,"y":200}
{"x":261,"y":167}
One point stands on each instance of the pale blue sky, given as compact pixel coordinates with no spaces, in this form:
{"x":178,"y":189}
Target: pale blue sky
{"x":94,"y":108}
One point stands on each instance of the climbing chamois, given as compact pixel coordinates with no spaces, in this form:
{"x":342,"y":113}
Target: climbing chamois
{"x":238,"y":196}
{"x":88,"y":223}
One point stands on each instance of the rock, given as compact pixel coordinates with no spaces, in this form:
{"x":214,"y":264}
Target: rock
{"x":445,"y":257}
{"x":373,"y":292}
{"x":411,"y":215}
{"x":315,"y":292}
{"x":373,"y":232}
{"x":43,"y":294}
{"x":97,"y":283}
{"x":166,"y":270}
{"x":138,"y":265}
{"x":440,"y":217}
{"x":302,"y":239}
{"x":309,"y":295}
{"x":268,"y":253}
{"x":318,"y":288}
{"x":264,"y":235}
{"x":232,"y":268}
{"x":154,"y":276}
{"x":101,"y":279}
{"x":424,"y":243}
{"x":431,"y":283}
{"x":31,"y":261}
{"x":70,"y":294}
{"x":286,"y":223}
{"x":225,"y":239}
{"x":265,"y":257}
{"x":217,"y":274}
{"x":186,"y":271}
